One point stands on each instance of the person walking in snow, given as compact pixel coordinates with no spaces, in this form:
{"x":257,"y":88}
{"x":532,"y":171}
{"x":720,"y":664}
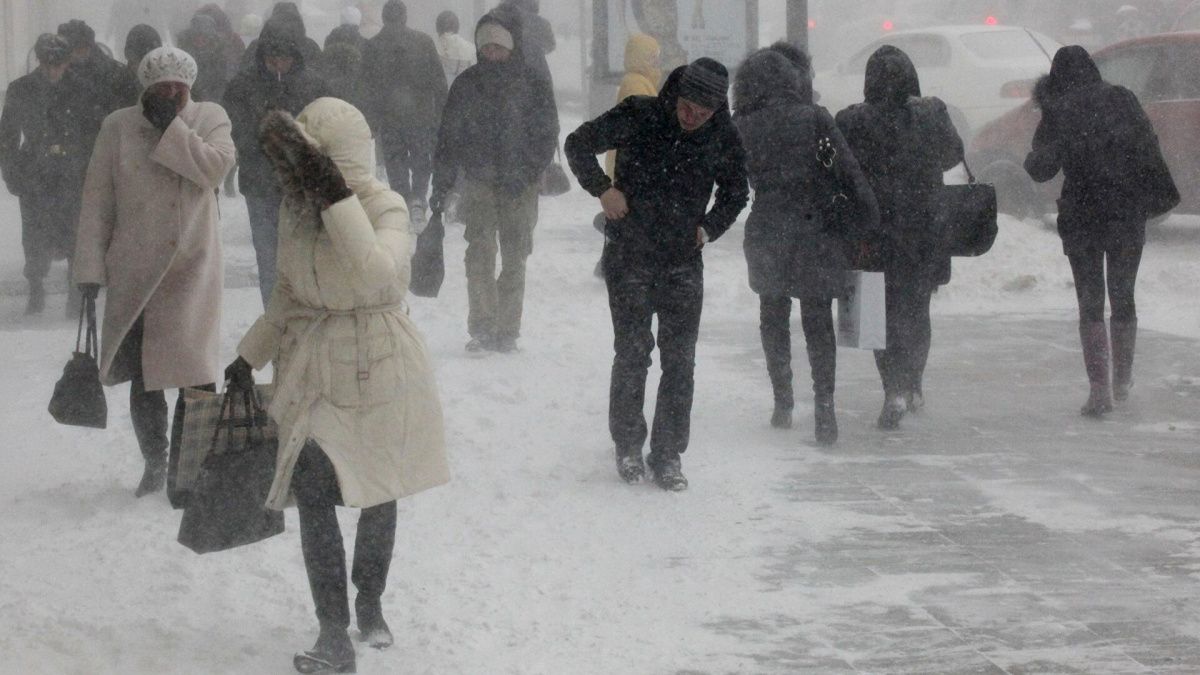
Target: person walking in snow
{"x":360,"y":420}
{"x":203,"y":41}
{"x":457,"y":54}
{"x":148,"y":232}
{"x":672,"y":150}
{"x":44,"y":151}
{"x":790,"y":251}
{"x":1099,"y":137}
{"x":904,"y":143}
{"x":500,"y":129}
{"x":403,"y":76}
{"x":280,"y":80}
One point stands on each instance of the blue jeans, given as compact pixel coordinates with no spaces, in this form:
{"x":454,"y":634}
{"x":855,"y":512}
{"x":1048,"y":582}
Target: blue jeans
{"x":264,"y":231}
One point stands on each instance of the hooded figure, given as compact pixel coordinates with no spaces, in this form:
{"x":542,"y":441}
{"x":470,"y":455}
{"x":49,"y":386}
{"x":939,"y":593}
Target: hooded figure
{"x":642,"y":75}
{"x":673,"y":150}
{"x":1115,"y":178}
{"x":499,"y":131}
{"x":790,"y":251}
{"x":204,"y":42}
{"x":287,"y":14}
{"x":904,"y":143}
{"x":360,"y":420}
{"x":142,"y":40}
{"x":537,"y":35}
{"x":148,"y":231}
{"x":231,"y":43}
{"x":279,"y":80}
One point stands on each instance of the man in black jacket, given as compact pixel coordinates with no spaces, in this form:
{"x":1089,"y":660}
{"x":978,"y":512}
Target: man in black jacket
{"x":407,"y":88}
{"x":44,"y":152}
{"x":673,"y":149}
{"x":280,"y":80}
{"x":500,"y":130}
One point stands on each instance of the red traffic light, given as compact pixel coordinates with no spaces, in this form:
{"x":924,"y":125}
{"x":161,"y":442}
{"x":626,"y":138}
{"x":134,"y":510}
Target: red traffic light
{"x":888,"y":25}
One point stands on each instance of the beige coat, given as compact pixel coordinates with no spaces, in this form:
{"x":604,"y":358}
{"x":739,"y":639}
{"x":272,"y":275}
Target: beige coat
{"x":148,"y":231}
{"x":352,"y":372}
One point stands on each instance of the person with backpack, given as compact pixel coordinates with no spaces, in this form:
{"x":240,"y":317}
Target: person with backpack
{"x":791,"y":251}
{"x":904,"y":143}
{"x":1099,"y":137}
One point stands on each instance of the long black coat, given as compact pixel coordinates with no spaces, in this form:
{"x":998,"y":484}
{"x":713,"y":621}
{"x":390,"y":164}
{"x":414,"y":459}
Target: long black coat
{"x":1100,"y":138}
{"x":666,"y":174}
{"x":254,"y":93}
{"x":47,"y":130}
{"x":403,"y":77}
{"x":904,"y":144}
{"x":499,"y":127}
{"x":790,"y":251}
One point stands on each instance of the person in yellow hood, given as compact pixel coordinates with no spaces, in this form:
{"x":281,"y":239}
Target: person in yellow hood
{"x":642,"y":77}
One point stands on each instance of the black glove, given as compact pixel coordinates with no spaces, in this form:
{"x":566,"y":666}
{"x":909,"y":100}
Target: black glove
{"x":290,"y":150}
{"x":321,"y":177}
{"x":158,"y":109}
{"x":89,"y":291}
{"x":240,"y":375}
{"x":437,"y":203}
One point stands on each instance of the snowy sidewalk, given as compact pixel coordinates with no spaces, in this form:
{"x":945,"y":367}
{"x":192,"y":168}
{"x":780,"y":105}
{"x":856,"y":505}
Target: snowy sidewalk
{"x":997,"y":531}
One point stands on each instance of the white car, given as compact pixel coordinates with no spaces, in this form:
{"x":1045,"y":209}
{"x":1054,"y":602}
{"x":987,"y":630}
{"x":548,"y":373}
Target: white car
{"x":981,"y":72}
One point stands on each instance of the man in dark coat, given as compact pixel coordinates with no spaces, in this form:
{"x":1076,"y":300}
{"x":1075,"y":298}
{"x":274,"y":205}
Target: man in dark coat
{"x":111,"y":85}
{"x":672,"y":150}
{"x":204,"y":43}
{"x":791,"y":249}
{"x":287,"y":13}
{"x":1115,"y":179}
{"x":44,"y":151}
{"x":904,"y":143}
{"x":499,"y":130}
{"x":403,"y":76}
{"x":280,"y":80}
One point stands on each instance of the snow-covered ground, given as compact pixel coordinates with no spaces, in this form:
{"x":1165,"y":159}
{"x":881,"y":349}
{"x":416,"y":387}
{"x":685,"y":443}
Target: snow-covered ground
{"x":537,"y":560}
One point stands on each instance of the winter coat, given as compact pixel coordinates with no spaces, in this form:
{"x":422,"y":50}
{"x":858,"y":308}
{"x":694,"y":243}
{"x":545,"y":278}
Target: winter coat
{"x":457,"y":54}
{"x":403,"y":76}
{"x":500,"y":126}
{"x":46,"y":134}
{"x":286,"y":14}
{"x":232,"y":44}
{"x":641,"y":79}
{"x":666,"y":174}
{"x":149,"y":232}
{"x":253,"y":93}
{"x":790,"y":250}
{"x":341,"y":68}
{"x":904,"y":144}
{"x":210,"y":53}
{"x":1100,"y":138}
{"x":346,"y":34}
{"x":352,"y":371}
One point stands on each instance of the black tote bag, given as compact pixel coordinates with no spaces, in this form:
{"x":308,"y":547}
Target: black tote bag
{"x":966,"y":217}
{"x":428,"y":262}
{"x":226,"y":509}
{"x":78,"y":398}
{"x":554,"y":180}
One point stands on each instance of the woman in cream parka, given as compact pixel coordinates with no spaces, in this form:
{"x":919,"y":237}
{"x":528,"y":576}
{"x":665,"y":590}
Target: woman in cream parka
{"x":360,"y":421}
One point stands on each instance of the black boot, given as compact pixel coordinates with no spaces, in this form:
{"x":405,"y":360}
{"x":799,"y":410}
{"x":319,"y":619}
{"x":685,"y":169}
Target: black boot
{"x":37,"y":298}
{"x":668,"y":475}
{"x":154,"y":476}
{"x":630,"y":466}
{"x":776,"y":335}
{"x":894,"y":405}
{"x":148,"y":409}
{"x":822,"y":360}
{"x":373,"y":545}
{"x":332,"y":653}
{"x":1093,"y":336}
{"x":1124,"y":340}
{"x":826,"y":421}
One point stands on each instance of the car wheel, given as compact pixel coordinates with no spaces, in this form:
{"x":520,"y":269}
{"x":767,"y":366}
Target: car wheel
{"x":1015,"y":192}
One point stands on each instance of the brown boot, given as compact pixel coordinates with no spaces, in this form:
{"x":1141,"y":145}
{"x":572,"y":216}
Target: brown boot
{"x":1124,"y":339}
{"x":1093,"y":336}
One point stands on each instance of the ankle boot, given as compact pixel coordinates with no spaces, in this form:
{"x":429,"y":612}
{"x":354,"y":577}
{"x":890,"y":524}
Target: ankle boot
{"x":154,"y":476}
{"x":333,"y":653}
{"x":37,"y":298}
{"x":1093,"y":336}
{"x":777,"y":348}
{"x":1124,"y":339}
{"x":826,"y":429}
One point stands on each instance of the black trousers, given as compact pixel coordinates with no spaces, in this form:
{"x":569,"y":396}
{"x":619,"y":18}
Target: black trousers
{"x":909,"y":332}
{"x":148,"y":409}
{"x":774,"y":326}
{"x":47,"y":230}
{"x":637,"y":291}
{"x":1088,"y":267}
{"x":315,"y":486}
{"x":408,"y":156}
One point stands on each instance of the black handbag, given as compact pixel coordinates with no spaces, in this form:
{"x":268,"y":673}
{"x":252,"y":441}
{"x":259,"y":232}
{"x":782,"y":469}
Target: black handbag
{"x":965,"y":215}
{"x":78,"y":398}
{"x":428,"y":262}
{"x":554,"y":180}
{"x":227,"y":507}
{"x":840,"y":213}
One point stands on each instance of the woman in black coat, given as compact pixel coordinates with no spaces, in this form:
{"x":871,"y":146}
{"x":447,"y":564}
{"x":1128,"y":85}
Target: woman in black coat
{"x":790,"y":251}
{"x":904,"y":144}
{"x":1100,"y":138}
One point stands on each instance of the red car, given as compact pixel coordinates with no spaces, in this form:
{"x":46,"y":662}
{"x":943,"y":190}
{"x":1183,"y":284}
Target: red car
{"x":1162,"y":70}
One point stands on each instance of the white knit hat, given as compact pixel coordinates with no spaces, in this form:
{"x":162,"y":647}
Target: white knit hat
{"x":493,"y":34}
{"x":167,"y":64}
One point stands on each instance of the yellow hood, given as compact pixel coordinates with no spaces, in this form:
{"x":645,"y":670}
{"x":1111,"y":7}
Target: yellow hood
{"x":641,"y":57}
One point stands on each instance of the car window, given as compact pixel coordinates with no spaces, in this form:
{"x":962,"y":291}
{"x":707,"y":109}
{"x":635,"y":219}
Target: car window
{"x":1183,"y":66}
{"x":1189,"y":21}
{"x":926,"y":51}
{"x":1003,"y":44}
{"x":1131,"y":68}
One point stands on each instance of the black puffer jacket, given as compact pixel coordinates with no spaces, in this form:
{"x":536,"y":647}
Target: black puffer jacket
{"x":499,"y":127}
{"x":254,"y":93}
{"x":1101,"y":139}
{"x":790,"y":251}
{"x":666,"y":174}
{"x":404,"y":81}
{"x":904,"y":144}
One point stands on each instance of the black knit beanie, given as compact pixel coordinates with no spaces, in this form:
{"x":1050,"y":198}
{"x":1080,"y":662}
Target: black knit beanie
{"x":705,"y":82}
